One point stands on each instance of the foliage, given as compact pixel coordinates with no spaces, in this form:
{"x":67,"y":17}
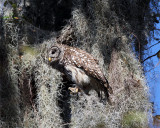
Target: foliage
{"x":134,"y":119}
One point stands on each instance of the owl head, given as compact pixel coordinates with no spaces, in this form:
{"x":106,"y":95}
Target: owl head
{"x":54,"y":53}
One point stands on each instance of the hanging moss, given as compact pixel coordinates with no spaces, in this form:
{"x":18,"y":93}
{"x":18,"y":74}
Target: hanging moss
{"x":36,"y":95}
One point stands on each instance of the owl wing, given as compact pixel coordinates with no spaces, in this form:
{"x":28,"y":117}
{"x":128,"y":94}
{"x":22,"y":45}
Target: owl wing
{"x":85,"y":61}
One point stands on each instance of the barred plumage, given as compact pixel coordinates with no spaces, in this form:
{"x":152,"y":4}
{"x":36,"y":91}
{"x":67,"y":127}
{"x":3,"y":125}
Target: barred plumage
{"x":80,"y":67}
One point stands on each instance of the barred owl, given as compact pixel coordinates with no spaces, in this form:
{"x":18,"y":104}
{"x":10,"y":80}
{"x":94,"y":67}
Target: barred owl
{"x":79,"y":67}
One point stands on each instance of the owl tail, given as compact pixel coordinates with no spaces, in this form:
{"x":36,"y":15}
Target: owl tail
{"x":108,"y":87}
{"x":110,"y":90}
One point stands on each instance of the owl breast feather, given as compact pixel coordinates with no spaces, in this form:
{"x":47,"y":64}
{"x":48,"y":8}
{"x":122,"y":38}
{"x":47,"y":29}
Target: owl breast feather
{"x":77,"y":76}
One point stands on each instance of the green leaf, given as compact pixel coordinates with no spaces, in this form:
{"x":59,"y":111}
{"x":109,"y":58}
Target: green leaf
{"x":134,"y":119}
{"x":28,"y":50}
{"x":16,"y":18}
{"x":14,"y":5}
{"x":6,"y":17}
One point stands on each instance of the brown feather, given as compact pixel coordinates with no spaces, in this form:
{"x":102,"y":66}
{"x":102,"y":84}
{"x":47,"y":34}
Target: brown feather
{"x":86,"y":62}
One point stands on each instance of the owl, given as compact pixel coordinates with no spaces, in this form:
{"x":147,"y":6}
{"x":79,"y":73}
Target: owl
{"x":79,"y":67}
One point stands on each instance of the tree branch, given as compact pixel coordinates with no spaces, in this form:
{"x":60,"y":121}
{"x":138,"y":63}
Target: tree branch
{"x":150,"y":56}
{"x":153,"y":45}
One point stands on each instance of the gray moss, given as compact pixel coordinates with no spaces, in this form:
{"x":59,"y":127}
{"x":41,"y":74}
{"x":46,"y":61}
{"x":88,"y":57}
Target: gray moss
{"x":36,"y":95}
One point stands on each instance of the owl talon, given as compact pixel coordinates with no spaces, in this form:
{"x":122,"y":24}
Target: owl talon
{"x":74,"y":89}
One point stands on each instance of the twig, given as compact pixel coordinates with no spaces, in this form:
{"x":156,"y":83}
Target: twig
{"x":153,"y":45}
{"x":139,"y":45}
{"x":150,"y":56}
{"x":154,"y":66}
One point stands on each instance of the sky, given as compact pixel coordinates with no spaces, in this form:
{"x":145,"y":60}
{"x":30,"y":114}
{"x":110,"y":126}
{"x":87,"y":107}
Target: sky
{"x":153,"y":76}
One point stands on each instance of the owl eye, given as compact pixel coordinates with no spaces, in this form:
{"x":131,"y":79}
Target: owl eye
{"x":53,"y":51}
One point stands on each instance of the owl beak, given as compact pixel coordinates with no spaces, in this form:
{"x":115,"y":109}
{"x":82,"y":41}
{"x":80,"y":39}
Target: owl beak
{"x":50,"y":59}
